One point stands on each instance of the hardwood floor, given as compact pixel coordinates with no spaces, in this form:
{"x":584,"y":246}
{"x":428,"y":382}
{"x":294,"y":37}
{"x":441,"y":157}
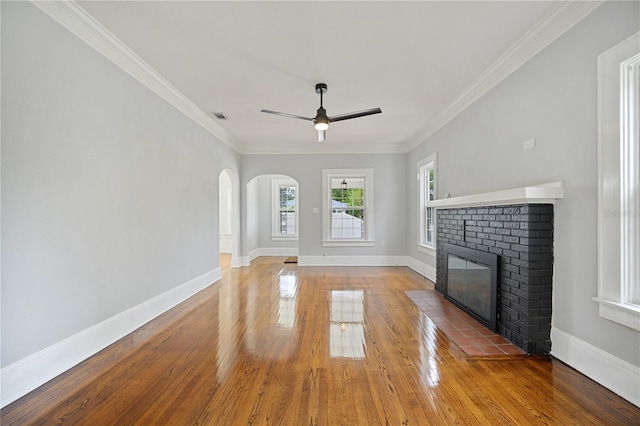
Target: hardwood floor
{"x":280,"y":344}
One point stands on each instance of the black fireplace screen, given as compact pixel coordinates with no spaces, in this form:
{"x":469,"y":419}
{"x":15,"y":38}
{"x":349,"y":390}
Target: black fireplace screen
{"x":471,"y":278}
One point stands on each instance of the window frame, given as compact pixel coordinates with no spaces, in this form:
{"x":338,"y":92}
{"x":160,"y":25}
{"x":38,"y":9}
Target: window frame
{"x":276,"y":184}
{"x":618,"y":171}
{"x":327,"y":176}
{"x":424,"y":204}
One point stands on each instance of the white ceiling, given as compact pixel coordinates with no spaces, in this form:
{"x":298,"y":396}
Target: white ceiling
{"x":411,"y":59}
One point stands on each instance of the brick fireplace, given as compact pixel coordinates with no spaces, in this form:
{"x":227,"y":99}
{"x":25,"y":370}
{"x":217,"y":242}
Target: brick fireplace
{"x":521,"y":235}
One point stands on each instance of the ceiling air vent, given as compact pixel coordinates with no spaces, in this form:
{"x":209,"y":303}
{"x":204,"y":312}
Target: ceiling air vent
{"x":219,"y":115}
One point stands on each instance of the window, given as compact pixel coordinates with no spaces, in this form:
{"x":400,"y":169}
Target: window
{"x":619,"y":183}
{"x":427,"y":194}
{"x":284,"y":195}
{"x":347,"y":207}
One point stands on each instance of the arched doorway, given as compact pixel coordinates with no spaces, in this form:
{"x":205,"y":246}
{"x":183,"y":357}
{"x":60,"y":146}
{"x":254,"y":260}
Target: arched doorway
{"x":229,"y":218}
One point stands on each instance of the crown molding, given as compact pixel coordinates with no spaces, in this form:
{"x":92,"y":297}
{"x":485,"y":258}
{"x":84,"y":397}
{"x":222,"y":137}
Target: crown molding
{"x":549,"y":29}
{"x":74,"y":18}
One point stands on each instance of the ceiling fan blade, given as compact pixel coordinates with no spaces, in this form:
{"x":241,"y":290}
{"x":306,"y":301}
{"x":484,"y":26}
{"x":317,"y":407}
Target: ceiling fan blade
{"x":321,"y":135}
{"x":356,"y":114}
{"x":284,"y":114}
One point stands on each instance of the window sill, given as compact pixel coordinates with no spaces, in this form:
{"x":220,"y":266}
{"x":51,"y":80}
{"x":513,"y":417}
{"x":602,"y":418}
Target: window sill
{"x":348,"y":243}
{"x":427,"y":249}
{"x":625,"y":314}
{"x":284,"y":238}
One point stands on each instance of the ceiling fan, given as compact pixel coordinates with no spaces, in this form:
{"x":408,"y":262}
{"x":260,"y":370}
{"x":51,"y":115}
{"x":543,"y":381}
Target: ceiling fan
{"x":321,"y":120}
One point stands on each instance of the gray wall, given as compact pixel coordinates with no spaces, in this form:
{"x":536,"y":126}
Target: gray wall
{"x":109,"y":195}
{"x":389,"y":197}
{"x":553,"y":99}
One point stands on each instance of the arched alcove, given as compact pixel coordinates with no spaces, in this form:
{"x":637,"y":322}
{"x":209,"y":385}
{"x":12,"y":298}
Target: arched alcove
{"x":272,"y":223}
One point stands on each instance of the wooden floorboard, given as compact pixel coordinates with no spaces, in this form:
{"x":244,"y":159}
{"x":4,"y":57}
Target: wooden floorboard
{"x":280,"y":344}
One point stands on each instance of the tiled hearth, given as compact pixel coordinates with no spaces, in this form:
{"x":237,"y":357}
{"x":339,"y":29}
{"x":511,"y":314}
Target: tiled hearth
{"x":473,"y":338}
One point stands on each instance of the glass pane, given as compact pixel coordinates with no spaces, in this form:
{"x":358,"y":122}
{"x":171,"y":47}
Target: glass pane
{"x":425,"y":189}
{"x":287,"y":223}
{"x":283,"y":222}
{"x":288,"y":198}
{"x":456,"y":278}
{"x":337,"y":183}
{"x":350,"y":197}
{"x":347,"y":224}
{"x":469,"y":283}
{"x":347,"y":192}
{"x":479,"y":289}
{"x":430,"y":225}
{"x":431,"y":186}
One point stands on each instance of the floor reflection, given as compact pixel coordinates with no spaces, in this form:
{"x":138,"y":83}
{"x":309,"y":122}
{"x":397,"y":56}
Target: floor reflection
{"x":228,"y":308}
{"x":346,"y":329}
{"x":288,"y":288}
{"x":270,"y":327}
{"x":429,"y":371}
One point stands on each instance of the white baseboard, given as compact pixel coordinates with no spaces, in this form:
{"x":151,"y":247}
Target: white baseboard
{"x":611,"y":372}
{"x":236,"y":262}
{"x":352,"y":260}
{"x":278,"y":251}
{"x":21,"y":377}
{"x":253,"y":254}
{"x":429,"y":272}
{"x":423,"y":269}
{"x":273,"y":251}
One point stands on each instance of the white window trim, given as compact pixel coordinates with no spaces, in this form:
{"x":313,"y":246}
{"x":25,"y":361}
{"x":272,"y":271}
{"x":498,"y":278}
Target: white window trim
{"x":423,"y":246}
{"x":327,"y":175}
{"x":275,"y":209}
{"x":630,"y":179}
{"x":618,"y":170}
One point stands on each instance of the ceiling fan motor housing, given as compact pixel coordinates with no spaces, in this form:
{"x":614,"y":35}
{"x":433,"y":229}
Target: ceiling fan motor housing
{"x":321,"y":121}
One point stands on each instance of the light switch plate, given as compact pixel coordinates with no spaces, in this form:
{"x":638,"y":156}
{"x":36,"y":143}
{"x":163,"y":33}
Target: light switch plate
{"x":528,"y":144}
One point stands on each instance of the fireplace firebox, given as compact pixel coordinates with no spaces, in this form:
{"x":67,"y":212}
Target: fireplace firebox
{"x":471,"y":282}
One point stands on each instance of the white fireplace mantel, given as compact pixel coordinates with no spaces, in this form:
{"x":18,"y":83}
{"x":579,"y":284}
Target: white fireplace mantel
{"x":547,"y":193}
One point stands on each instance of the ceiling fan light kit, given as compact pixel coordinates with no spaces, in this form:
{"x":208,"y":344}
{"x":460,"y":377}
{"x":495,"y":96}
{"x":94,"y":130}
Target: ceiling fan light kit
{"x":321,"y":120}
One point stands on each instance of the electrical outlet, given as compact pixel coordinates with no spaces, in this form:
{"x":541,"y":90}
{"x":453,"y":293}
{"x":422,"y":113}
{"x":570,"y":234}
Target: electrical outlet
{"x":528,"y":144}
{"x":381,"y":243}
